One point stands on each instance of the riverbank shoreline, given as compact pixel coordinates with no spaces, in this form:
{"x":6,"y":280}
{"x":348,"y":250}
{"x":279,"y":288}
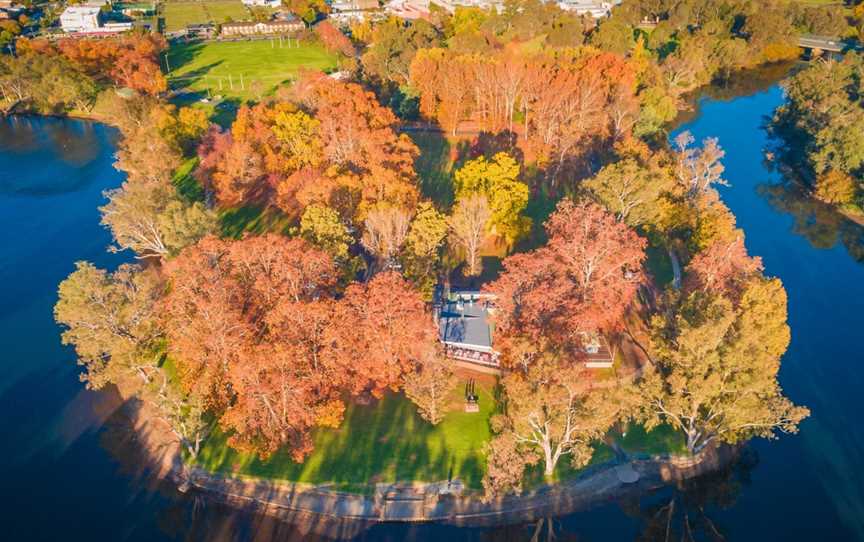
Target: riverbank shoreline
{"x":330,"y":511}
{"x":408,"y":502}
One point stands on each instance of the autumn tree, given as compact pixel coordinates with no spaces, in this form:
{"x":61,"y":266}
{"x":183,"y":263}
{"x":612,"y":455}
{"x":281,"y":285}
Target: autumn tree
{"x":723,"y":267}
{"x":130,"y":61}
{"x":446,"y":83}
{"x":716,"y":364}
{"x":308,"y":10}
{"x":334,"y":40}
{"x":430,"y":385}
{"x":111,"y":320}
{"x":220,"y":294}
{"x":581,"y":281}
{"x":204,"y":320}
{"x":266,"y":149}
{"x":506,"y":459}
{"x":469,"y":225}
{"x":385,"y":230}
{"x":368,"y":163}
{"x":383,"y":331}
{"x":498,"y":180}
{"x":835,"y":187}
{"x":288,"y":384}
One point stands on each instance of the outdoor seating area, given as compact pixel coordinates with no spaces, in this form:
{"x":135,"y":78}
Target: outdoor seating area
{"x":472,"y":356}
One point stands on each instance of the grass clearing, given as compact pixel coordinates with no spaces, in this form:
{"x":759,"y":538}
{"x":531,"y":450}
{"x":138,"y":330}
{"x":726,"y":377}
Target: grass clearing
{"x":253,"y":219}
{"x":564,"y":470}
{"x":434,"y":167}
{"x":385,"y":441}
{"x":242,"y":69}
{"x":179,"y":15}
{"x":659,"y":265}
{"x":662,"y":440}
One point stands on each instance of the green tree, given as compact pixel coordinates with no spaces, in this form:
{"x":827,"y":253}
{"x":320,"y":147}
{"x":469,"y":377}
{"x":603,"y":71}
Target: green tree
{"x":110,"y":319}
{"x":421,"y":256}
{"x":394,"y":44}
{"x":47,"y":84}
{"x":498,"y":180}
{"x":638,"y":194}
{"x":553,"y":411}
{"x":614,"y":35}
{"x":150,"y":219}
{"x":716,"y":364}
{"x":323,"y":227}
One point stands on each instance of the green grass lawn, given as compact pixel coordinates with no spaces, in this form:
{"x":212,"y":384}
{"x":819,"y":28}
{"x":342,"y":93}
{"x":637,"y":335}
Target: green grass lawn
{"x":659,"y":265}
{"x":253,"y":219}
{"x":178,"y":15}
{"x":434,"y":167}
{"x":662,"y":440}
{"x":239,"y":69}
{"x":385,"y":441}
{"x":564,"y":471}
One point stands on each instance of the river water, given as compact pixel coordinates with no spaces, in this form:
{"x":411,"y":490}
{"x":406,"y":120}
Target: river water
{"x":71,"y":468}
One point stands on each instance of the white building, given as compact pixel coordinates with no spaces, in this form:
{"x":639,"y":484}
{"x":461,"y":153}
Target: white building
{"x":595,"y":8}
{"x":451,"y":5}
{"x":264,"y":3}
{"x":345,"y":11}
{"x":86,"y":20}
{"x":408,"y":9}
{"x":80,"y":19}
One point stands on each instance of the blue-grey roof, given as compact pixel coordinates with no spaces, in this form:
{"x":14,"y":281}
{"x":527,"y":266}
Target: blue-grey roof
{"x":465,"y":323}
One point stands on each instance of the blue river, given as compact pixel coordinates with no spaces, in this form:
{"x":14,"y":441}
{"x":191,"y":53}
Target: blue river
{"x":72,"y":469}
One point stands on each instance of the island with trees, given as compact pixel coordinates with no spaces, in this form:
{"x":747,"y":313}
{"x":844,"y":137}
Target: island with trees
{"x":281,"y":319}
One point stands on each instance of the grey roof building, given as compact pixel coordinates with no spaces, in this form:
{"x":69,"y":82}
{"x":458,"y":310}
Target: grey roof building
{"x":464,"y":327}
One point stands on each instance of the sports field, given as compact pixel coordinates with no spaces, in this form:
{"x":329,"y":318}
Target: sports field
{"x":178,"y":15}
{"x":243,"y":69}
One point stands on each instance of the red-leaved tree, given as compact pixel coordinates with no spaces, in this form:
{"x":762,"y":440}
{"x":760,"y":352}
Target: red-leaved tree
{"x":581,"y":281}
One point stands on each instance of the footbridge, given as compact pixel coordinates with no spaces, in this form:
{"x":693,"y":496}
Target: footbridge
{"x":831,"y":44}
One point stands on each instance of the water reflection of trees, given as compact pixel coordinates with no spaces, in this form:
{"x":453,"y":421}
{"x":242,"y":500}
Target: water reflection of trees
{"x":194,"y":516}
{"x":684,"y":512}
{"x":75,"y":142}
{"x":735,"y":85}
{"x":820,"y":224}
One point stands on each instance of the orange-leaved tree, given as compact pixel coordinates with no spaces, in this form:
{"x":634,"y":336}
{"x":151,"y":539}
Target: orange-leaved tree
{"x":580,"y":282}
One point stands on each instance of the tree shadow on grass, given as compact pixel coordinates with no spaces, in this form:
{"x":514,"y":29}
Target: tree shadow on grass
{"x":253,"y":219}
{"x":434,"y":167}
{"x":182,"y":54}
{"x":385,"y":441}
